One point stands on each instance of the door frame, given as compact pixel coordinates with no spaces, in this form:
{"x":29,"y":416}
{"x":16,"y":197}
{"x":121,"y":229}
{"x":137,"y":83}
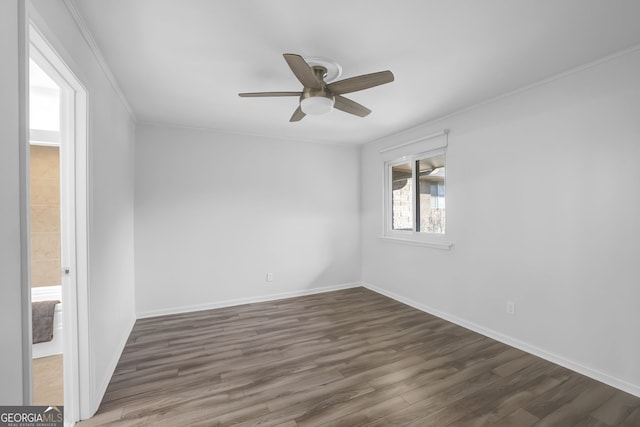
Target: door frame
{"x":74,"y":161}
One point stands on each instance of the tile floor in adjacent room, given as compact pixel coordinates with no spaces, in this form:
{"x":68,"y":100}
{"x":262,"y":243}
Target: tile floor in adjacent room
{"x":48,"y":381}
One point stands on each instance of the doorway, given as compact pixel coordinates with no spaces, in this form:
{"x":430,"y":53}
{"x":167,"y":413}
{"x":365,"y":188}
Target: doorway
{"x":46,"y":234}
{"x":57,"y":198}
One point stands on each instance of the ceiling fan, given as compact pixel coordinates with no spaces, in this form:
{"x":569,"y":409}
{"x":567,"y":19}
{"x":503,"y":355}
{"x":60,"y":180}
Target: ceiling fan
{"x":320,"y":97}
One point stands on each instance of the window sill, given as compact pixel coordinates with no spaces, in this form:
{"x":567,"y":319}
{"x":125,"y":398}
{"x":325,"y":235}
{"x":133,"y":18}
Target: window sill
{"x":436,"y":244}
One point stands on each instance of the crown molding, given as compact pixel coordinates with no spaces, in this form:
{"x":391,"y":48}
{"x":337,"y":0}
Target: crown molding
{"x":93,"y":46}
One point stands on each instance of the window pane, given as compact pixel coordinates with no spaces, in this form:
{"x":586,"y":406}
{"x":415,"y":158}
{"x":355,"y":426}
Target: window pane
{"x":401,"y":197}
{"x":44,"y":100}
{"x":431,"y":190}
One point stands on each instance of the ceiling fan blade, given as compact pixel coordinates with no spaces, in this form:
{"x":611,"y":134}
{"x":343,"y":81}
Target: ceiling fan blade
{"x":351,"y":107}
{"x":262,"y":94}
{"x":357,"y":83}
{"x":297,"y":115}
{"x":302,"y":71}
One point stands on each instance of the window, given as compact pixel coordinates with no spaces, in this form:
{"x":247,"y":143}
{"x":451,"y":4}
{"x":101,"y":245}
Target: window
{"x":401,"y":196}
{"x":415,"y":193}
{"x":44,"y":107}
{"x":430,"y":198}
{"x":418,"y":194}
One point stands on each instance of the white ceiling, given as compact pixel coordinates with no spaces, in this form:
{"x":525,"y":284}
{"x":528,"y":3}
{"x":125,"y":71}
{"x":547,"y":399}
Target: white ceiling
{"x":184,"y":62}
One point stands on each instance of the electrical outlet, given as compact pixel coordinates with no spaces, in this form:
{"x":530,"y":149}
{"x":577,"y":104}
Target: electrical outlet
{"x":511,"y":308}
{"x":269,"y":277}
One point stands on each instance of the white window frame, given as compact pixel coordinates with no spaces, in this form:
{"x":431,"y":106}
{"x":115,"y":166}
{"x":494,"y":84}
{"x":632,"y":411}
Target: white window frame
{"x":410,"y":152}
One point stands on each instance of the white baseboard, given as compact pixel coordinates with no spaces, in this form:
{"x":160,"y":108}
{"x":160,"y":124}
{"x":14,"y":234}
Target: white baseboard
{"x":102,"y":388}
{"x":551,"y":357}
{"x":240,"y":301}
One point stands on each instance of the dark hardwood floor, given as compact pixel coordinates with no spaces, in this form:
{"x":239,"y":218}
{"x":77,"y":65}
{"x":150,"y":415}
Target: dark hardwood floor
{"x":344,"y":358}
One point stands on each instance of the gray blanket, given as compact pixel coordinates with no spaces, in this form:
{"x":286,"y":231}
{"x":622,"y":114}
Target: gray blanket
{"x":42,"y":320}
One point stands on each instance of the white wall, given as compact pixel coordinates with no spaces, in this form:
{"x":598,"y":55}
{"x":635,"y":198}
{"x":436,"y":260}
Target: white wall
{"x":10,"y":301}
{"x":111,"y":257}
{"x":215,"y":212}
{"x":543,"y":208}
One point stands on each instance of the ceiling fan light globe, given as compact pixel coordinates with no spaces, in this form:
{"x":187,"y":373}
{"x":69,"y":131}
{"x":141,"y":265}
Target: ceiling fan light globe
{"x":316,"y":105}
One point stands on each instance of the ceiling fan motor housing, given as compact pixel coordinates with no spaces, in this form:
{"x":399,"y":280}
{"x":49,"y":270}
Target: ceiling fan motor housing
{"x":316,"y":101}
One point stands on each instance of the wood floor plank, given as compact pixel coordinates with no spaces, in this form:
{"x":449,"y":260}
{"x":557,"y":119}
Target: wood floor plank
{"x":344,"y":358}
{"x":575,"y":410}
{"x":632,"y":420}
{"x":519,"y":417}
{"x":615,"y":410}
{"x":589,"y":421}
